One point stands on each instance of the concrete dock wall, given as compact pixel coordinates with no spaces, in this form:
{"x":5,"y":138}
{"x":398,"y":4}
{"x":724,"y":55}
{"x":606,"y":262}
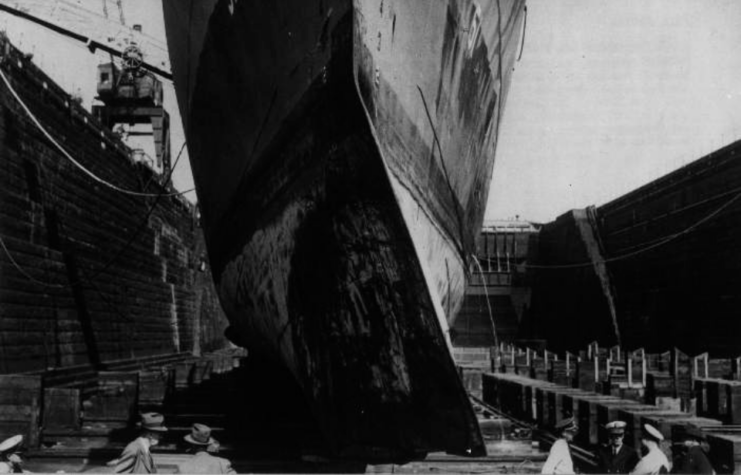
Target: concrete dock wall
{"x":89,"y":275}
{"x":671,"y":250}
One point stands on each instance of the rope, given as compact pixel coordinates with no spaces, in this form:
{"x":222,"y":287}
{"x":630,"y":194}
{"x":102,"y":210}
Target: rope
{"x":140,"y":227}
{"x":524,"y":29}
{"x":499,"y":74}
{"x":67,"y":155}
{"x":461,"y":244}
{"x":23,"y":272}
{"x":488,"y":304}
{"x":113,"y":259}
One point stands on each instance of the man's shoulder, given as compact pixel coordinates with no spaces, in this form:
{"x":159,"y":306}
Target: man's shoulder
{"x":696,"y":450}
{"x":224,"y":462}
{"x":134,"y":445}
{"x":560,"y":444}
{"x":207,"y":457}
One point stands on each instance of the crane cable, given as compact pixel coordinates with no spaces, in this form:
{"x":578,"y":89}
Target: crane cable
{"x":655,"y":243}
{"x":69,"y":157}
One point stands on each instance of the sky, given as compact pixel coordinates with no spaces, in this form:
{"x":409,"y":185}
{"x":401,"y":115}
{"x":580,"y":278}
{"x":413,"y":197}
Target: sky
{"x":608,"y":95}
{"x":71,"y":65}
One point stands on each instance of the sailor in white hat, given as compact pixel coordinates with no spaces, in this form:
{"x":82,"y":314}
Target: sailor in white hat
{"x":616,"y":457}
{"x":559,"y":459}
{"x":10,"y":461}
{"x":654,"y":461}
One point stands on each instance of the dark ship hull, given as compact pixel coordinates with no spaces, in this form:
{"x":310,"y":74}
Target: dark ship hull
{"x":342,"y":154}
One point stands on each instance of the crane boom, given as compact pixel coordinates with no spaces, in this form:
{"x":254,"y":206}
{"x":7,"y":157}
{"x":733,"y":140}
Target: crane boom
{"x":61,"y":17}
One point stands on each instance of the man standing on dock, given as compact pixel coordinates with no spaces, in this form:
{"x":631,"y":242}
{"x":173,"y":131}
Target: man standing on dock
{"x":654,"y":462}
{"x":692,"y":458}
{"x":616,"y":457}
{"x":559,"y":459}
{"x":202,"y":462}
{"x":136,"y":457}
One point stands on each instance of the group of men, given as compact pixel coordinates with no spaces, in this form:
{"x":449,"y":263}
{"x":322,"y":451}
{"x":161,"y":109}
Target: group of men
{"x":616,"y":457}
{"x":136,"y":457}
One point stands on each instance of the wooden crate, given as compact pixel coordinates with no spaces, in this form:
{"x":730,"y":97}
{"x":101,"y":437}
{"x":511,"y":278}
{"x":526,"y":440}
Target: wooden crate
{"x":62,"y":410}
{"x":20,"y":407}
{"x":155,"y":385}
{"x":115,"y":398}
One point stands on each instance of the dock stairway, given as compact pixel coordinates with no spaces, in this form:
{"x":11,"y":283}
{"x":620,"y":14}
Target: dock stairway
{"x":79,"y":411}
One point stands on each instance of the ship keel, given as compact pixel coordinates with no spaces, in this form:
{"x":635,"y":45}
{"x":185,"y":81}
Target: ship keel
{"x":327,"y":281}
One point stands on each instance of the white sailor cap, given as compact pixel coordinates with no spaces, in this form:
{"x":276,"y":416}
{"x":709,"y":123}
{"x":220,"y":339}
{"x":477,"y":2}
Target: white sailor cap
{"x":616,"y":427}
{"x":10,"y":443}
{"x":652,"y":432}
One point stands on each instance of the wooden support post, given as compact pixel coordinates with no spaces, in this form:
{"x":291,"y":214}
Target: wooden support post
{"x":527,"y":357}
{"x":707,"y":364}
{"x":596,"y":369}
{"x":513,"y":357}
{"x":733,"y":399}
{"x":629,"y":368}
{"x":695,"y":371}
{"x":675,"y":371}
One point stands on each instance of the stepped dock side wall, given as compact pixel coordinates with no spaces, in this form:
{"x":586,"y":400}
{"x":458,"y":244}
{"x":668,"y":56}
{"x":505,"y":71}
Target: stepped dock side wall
{"x":89,"y":275}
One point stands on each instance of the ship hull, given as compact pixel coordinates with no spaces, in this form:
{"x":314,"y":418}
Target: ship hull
{"x":327,"y":255}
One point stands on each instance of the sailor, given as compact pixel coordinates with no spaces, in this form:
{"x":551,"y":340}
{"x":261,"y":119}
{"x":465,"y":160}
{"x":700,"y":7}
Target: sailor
{"x":10,"y":460}
{"x":559,"y":459}
{"x":691,"y":456}
{"x":616,"y":457}
{"x":202,"y":461}
{"x":654,"y":461}
{"x":136,"y":457}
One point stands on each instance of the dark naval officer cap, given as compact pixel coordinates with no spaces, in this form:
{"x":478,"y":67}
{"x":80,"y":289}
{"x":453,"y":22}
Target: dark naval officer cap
{"x":651,"y":432}
{"x":692,"y":432}
{"x":566,"y":424}
{"x":616,"y":427}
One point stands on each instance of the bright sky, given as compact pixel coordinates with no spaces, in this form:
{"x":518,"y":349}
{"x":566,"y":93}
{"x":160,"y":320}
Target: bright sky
{"x":610,"y":95}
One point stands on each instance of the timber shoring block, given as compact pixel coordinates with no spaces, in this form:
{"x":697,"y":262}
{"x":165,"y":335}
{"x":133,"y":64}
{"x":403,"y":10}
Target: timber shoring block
{"x":20,"y":407}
